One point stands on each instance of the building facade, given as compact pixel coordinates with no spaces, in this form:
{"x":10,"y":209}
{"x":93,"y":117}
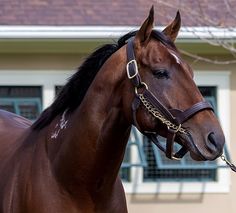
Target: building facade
{"x":38,"y":54}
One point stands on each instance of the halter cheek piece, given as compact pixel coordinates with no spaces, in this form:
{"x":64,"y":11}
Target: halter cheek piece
{"x":172,"y":119}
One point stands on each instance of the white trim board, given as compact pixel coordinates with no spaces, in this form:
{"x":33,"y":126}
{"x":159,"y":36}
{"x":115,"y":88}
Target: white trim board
{"x":105,"y":32}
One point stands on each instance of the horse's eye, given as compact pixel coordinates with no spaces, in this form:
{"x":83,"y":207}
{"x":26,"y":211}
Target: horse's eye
{"x":161,"y":73}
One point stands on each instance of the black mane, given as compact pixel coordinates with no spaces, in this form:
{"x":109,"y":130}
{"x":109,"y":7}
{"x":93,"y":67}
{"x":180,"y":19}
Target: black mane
{"x":74,"y":91}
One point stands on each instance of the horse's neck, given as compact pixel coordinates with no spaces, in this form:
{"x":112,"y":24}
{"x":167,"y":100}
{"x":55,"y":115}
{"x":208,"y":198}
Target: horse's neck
{"x":92,"y":151}
{"x":110,"y":148}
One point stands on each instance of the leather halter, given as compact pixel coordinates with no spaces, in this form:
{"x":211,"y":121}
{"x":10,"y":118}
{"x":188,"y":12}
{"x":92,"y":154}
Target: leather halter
{"x":173,"y":118}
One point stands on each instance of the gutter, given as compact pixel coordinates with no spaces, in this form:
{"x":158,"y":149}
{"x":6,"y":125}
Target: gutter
{"x":105,"y":32}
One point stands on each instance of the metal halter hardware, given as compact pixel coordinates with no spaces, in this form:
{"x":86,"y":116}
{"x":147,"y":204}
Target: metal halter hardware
{"x":133,"y":75}
{"x":173,"y":122}
{"x":158,"y":115}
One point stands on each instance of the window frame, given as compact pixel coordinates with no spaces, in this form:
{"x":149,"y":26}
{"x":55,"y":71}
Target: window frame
{"x":221,"y":80}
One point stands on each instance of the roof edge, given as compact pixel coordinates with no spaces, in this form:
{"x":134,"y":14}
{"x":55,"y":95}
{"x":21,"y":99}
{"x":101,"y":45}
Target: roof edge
{"x":105,"y":32}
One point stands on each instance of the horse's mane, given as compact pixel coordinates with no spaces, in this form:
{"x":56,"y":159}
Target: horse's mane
{"x":72,"y":94}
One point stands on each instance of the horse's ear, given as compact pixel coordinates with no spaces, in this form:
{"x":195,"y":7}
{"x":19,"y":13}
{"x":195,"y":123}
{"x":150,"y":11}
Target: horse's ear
{"x":142,"y":36}
{"x":172,"y":29}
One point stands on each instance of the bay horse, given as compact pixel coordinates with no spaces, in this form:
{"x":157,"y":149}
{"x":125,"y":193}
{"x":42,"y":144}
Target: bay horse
{"x":69,"y":159}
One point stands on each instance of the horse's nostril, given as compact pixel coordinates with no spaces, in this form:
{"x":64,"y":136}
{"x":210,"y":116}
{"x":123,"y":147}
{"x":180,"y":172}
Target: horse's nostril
{"x":211,"y":142}
{"x":211,"y":138}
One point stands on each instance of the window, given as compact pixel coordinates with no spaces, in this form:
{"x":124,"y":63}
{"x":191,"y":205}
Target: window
{"x":22,"y":100}
{"x":161,"y":168}
{"x":58,"y":89}
{"x":46,"y":80}
{"x":164,"y":175}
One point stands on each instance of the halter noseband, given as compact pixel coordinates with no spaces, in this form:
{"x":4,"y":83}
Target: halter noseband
{"x":172,"y":119}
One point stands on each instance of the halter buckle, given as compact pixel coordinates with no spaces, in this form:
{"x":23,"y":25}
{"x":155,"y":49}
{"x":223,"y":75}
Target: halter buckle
{"x":134,"y":62}
{"x":142,"y":84}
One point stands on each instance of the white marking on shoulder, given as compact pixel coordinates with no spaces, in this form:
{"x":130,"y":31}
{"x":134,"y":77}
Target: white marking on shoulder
{"x":62,"y":125}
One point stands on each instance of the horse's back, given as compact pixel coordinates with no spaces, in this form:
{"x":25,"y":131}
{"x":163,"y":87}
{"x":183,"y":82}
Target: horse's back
{"x":14,"y":120}
{"x":12,"y":128}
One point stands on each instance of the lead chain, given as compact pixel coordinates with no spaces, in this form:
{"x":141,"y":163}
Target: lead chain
{"x":231,"y":165}
{"x":159,"y":116}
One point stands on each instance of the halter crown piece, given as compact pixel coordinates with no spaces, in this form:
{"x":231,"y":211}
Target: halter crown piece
{"x":172,"y":122}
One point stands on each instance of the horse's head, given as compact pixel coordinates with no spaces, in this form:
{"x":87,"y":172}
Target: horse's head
{"x":166,"y":101}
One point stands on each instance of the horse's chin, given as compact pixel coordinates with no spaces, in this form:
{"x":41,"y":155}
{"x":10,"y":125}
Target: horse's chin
{"x":197,"y":157}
